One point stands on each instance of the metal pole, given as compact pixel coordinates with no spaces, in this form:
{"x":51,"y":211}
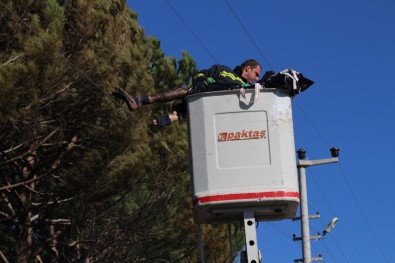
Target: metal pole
{"x":250,"y":236}
{"x":304,"y":210}
{"x":304,"y":214}
{"x":230,"y":242}
{"x":201,"y":244}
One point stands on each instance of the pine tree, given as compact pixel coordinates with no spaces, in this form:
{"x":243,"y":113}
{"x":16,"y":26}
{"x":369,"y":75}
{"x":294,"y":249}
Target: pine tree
{"x":82,"y":178}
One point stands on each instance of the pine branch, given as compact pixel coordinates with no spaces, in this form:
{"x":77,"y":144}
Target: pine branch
{"x":11,"y":60}
{"x":31,"y":150}
{"x":3,"y":258}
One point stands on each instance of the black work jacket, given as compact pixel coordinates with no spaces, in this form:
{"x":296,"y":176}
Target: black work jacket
{"x":225,"y":79}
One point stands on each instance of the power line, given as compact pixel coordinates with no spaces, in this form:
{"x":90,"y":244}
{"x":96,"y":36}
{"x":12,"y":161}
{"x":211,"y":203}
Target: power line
{"x":312,"y":124}
{"x":300,"y":107}
{"x":315,"y":127}
{"x":363,"y":215}
{"x":249,"y":35}
{"x":191,"y":31}
{"x":266,"y":60}
{"x":305,"y":114}
{"x":334,"y":213}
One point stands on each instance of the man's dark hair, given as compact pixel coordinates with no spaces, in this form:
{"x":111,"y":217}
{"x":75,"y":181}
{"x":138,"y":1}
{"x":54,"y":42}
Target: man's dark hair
{"x":248,"y":63}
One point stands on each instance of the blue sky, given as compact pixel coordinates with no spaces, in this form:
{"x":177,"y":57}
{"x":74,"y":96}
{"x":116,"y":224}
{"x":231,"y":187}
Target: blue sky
{"x":348,"y":49}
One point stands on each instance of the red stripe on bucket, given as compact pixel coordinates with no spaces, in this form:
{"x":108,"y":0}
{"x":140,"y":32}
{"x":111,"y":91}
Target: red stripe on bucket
{"x":244,"y":196}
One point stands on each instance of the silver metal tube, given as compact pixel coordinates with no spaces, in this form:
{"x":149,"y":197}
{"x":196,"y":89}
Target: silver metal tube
{"x":201,"y":250}
{"x":304,"y":213}
{"x":230,"y":242}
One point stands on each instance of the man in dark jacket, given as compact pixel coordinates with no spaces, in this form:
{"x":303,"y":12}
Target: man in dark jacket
{"x":218,"y":77}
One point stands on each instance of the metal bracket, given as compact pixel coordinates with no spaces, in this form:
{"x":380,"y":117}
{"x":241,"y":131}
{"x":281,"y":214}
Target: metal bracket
{"x":250,"y":237}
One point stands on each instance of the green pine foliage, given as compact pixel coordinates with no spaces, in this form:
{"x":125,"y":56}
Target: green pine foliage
{"x":82,"y":178}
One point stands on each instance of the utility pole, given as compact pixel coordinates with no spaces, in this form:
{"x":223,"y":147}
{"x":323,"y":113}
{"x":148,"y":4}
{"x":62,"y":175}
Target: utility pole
{"x":304,"y":213}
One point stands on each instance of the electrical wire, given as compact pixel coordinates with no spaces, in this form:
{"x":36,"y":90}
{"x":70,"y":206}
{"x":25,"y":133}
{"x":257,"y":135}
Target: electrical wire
{"x":334,"y":213}
{"x":249,"y":35}
{"x":269,"y":64}
{"x":363,"y":215}
{"x":312,"y":123}
{"x":315,"y":127}
{"x":191,"y":31}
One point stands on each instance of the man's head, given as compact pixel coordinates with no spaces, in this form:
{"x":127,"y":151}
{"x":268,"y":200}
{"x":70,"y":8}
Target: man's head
{"x":250,"y":70}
